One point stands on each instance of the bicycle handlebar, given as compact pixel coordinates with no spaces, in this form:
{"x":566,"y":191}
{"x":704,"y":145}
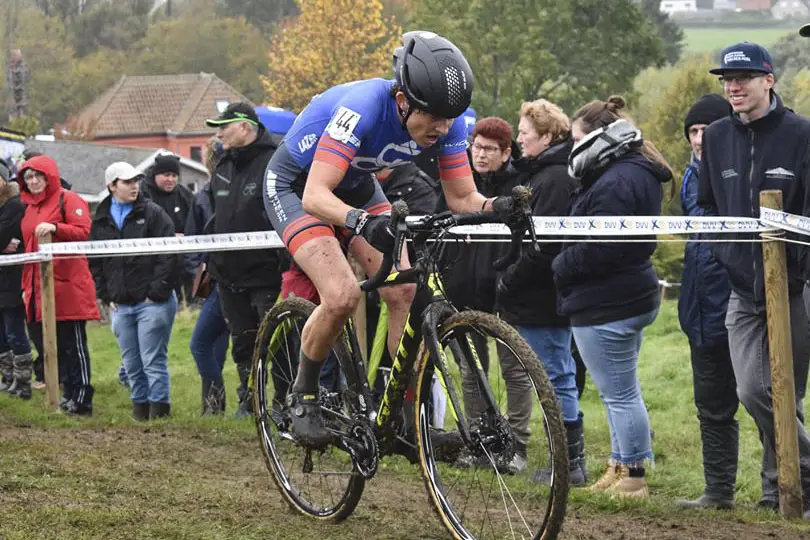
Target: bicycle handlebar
{"x":399,"y":211}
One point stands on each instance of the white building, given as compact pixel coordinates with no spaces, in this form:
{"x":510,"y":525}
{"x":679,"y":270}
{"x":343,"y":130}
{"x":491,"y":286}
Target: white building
{"x":678,"y":6}
{"x":785,"y":9}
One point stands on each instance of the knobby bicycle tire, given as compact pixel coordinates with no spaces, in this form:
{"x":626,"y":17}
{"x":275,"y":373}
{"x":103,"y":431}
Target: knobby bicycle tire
{"x":492,"y":326}
{"x":285,"y":312}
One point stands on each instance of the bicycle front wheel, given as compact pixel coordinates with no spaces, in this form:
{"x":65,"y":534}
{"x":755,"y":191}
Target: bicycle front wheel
{"x":320,"y":484}
{"x":511,"y":480}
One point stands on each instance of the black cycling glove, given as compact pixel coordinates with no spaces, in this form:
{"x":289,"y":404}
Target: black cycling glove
{"x":377,"y":232}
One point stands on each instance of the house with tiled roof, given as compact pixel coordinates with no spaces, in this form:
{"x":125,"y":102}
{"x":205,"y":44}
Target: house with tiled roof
{"x":156,"y":111}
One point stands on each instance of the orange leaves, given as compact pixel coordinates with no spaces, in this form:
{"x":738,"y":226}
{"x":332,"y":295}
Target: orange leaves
{"x":330,"y":42}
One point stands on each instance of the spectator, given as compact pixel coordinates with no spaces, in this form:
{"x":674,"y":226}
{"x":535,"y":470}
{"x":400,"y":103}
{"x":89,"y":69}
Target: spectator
{"x":162,"y":186}
{"x":702,"y":311}
{"x":526,"y":295}
{"x":15,"y":351}
{"x":763,"y":145}
{"x":249,"y":283}
{"x":137,"y":288}
{"x":53,"y":211}
{"x":209,"y":340}
{"x":610,"y":290}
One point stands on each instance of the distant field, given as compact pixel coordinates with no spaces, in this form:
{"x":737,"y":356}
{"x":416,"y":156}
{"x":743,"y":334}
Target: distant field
{"x":711,"y":39}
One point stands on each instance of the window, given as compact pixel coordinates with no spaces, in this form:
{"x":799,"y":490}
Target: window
{"x":196,"y":153}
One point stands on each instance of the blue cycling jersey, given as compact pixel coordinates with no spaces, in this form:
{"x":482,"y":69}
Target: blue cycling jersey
{"x":356,"y":126}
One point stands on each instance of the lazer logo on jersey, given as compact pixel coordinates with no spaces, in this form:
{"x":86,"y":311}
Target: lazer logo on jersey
{"x":307,"y":142}
{"x":392,"y":155}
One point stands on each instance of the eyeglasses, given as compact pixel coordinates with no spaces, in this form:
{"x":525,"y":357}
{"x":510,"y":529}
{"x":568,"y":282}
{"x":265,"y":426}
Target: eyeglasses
{"x":30,"y":175}
{"x":741,"y":78}
{"x":489,"y":150}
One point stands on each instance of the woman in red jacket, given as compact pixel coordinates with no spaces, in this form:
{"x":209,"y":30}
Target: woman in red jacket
{"x":52,"y":210}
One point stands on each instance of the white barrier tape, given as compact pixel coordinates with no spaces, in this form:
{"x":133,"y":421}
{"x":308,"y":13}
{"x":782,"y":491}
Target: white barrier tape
{"x":784,"y":220}
{"x":172,"y":244}
{"x":545,"y":226}
{"x":626,"y":226}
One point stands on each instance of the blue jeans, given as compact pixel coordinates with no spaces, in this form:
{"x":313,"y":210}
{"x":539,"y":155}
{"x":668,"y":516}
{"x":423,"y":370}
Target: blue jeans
{"x":209,"y":340}
{"x":610,"y":352}
{"x":143,"y":332}
{"x":553,"y":346}
{"x":12,"y":331}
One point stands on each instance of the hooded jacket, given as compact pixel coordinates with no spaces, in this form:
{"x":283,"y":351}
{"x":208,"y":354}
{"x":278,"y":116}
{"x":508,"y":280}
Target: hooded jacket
{"x":73,"y":284}
{"x":130,"y":280}
{"x":11,"y":214}
{"x":237,"y":201}
{"x":601,"y":282}
{"x":526,"y":293}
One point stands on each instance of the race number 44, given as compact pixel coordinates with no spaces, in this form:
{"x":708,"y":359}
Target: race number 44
{"x":343,"y":124}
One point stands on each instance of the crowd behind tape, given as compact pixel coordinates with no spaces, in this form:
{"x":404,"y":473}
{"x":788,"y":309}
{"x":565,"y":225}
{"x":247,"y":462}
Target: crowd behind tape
{"x":770,"y":221}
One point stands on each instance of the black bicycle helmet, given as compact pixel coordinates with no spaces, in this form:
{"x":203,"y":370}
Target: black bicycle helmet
{"x":433,"y":74}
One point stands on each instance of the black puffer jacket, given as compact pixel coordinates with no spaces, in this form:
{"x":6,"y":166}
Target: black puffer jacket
{"x":238,"y":204}
{"x":470,"y":278}
{"x":526,"y":292}
{"x":11,"y":214}
{"x":601,"y":282}
{"x":132,"y":279}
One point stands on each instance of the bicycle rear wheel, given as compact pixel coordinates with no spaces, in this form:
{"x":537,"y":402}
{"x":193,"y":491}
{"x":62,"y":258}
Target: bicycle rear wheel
{"x":320,"y":484}
{"x":488,"y":494}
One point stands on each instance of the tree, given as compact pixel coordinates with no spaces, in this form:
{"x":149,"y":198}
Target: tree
{"x":49,"y":55}
{"x":114,"y":25}
{"x":264,"y":14}
{"x":567,"y":51}
{"x":671,"y":34}
{"x":790,"y":54}
{"x":330,"y":42}
{"x":197,"y":41}
{"x":685,"y":83}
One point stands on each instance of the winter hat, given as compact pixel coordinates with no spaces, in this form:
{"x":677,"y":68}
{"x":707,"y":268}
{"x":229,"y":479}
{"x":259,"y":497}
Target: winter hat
{"x":707,"y":109}
{"x":167,"y":163}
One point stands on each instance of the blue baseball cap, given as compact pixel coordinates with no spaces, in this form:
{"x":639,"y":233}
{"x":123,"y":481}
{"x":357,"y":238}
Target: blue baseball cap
{"x":744,"y":56}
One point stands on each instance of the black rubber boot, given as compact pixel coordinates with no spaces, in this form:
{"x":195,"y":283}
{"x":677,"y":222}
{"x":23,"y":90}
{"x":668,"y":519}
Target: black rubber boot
{"x":213,"y":396}
{"x":159,"y":410}
{"x":140,"y":411}
{"x":577,"y":470}
{"x":245,"y":408}
{"x":6,"y":371}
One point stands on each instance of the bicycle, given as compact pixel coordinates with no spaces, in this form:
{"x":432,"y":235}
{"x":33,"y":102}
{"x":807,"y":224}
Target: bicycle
{"x":362,"y":433}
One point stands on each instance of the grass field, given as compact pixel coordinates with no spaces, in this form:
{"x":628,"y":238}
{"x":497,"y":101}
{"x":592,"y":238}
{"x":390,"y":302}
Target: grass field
{"x":700,"y":40}
{"x":189,"y":477}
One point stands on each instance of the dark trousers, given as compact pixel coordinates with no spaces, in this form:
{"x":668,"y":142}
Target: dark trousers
{"x":74,"y":358}
{"x":209,"y":340}
{"x":717,"y":403}
{"x":244,"y":310}
{"x":12,"y":331}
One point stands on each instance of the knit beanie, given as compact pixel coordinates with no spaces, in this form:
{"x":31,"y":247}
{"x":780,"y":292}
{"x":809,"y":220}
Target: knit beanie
{"x":707,"y":109}
{"x":167,"y":164}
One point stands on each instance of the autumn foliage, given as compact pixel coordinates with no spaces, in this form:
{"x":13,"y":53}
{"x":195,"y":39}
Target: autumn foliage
{"x":330,"y":42}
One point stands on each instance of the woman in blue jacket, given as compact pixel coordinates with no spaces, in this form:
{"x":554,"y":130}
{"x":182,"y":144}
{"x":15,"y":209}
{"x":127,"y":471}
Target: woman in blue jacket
{"x":609,"y":290}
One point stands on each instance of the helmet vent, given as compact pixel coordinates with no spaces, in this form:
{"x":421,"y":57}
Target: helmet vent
{"x":452,"y":79}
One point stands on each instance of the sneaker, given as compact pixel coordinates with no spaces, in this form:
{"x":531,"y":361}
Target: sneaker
{"x":306,"y":420}
{"x":38,"y":385}
{"x":518,"y":465}
{"x":78,"y":409}
{"x":612,"y":476}
{"x":708,"y":501}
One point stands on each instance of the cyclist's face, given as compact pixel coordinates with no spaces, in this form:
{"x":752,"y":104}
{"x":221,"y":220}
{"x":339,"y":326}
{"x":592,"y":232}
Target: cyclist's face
{"x":424,"y":128}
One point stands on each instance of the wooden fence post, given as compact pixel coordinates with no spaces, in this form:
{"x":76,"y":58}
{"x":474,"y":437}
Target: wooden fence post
{"x":50,"y":360}
{"x":781,"y":360}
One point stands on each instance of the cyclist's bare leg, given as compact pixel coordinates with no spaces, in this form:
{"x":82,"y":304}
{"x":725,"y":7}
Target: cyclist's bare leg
{"x":326,"y":266}
{"x":398,"y":299}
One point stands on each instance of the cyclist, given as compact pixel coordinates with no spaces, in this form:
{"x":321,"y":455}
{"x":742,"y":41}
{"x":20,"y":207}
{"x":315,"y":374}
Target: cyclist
{"x":320,"y":192}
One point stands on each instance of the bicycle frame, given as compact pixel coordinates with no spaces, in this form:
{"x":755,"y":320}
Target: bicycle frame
{"x":430,"y":306}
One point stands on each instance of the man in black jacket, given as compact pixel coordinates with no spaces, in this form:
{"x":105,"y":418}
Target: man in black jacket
{"x":138,"y":289}
{"x":761,"y":146}
{"x":250,"y":281}
{"x":162,"y":185}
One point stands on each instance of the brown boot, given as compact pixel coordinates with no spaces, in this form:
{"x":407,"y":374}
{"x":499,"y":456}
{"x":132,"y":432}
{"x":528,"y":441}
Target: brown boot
{"x":630,"y":487}
{"x":612,"y":475}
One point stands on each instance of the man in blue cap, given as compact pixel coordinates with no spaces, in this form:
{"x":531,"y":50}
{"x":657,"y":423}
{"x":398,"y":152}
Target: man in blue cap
{"x":761,"y":146}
